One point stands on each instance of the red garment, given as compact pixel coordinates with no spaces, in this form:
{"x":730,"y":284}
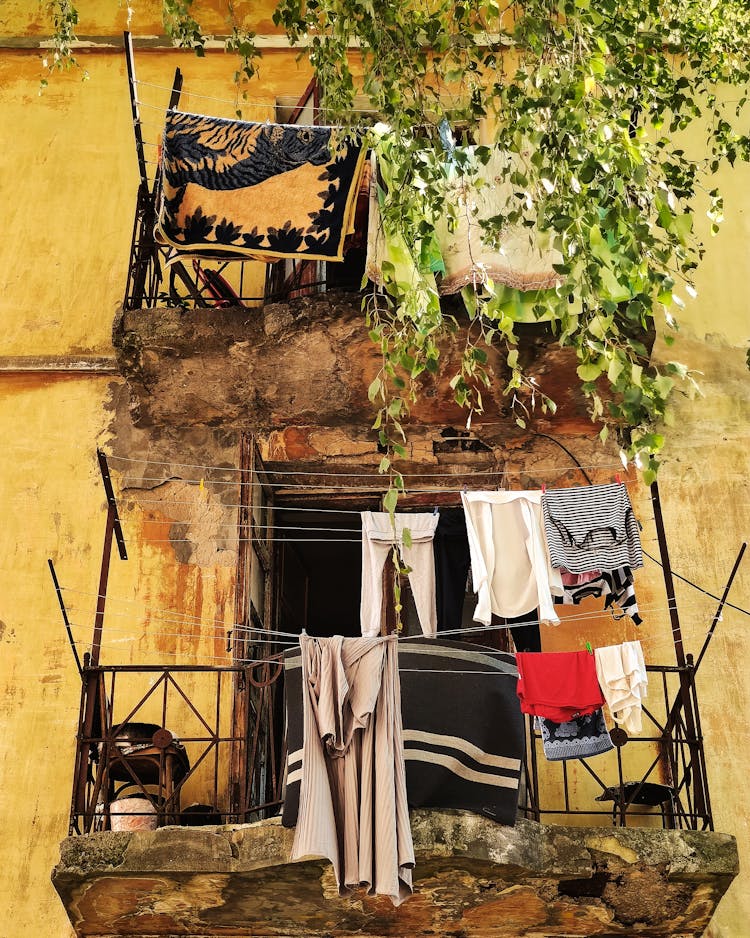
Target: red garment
{"x":558,"y":685}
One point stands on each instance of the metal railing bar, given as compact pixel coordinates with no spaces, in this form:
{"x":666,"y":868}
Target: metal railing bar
{"x":212,"y":733}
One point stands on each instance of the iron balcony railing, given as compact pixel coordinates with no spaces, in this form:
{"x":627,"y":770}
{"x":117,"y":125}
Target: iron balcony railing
{"x":177,"y":745}
{"x":191,"y":744}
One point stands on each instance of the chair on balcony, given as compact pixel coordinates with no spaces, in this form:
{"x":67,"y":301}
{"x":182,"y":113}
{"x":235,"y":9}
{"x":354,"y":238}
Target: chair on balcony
{"x":649,"y":794}
{"x":144,"y":756}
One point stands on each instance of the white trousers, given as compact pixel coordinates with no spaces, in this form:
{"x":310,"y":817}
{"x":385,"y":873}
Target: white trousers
{"x":378,"y":538}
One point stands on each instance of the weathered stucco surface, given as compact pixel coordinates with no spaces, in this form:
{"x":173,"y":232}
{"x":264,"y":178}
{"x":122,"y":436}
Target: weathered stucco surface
{"x":309,"y":361}
{"x":473,"y":879}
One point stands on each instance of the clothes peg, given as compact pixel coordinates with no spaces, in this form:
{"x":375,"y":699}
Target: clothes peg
{"x":618,"y":480}
{"x":589,"y":649}
{"x":544,"y":487}
{"x":436,"y":510}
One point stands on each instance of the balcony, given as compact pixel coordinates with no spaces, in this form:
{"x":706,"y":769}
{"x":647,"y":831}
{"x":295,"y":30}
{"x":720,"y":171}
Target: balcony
{"x":195,"y":755}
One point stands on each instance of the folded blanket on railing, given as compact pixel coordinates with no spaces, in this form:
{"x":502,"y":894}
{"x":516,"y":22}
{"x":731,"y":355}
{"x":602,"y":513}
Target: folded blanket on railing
{"x":463,"y":735}
{"x":256,"y":190}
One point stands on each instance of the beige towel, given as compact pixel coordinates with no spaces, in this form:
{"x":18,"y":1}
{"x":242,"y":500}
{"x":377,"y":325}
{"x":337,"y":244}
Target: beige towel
{"x":353,"y":807}
{"x":622,"y":676}
{"x":524,"y":259}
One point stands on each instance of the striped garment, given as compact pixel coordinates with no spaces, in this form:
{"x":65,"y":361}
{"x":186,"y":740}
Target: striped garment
{"x":463,"y":737}
{"x":615,"y":585}
{"x":591,"y":527}
{"x":352,"y":802}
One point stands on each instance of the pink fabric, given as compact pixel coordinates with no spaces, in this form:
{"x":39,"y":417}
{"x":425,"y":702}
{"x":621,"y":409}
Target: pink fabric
{"x":578,"y":579}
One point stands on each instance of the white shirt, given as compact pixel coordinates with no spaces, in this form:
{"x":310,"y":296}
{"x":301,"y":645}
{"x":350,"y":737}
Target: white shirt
{"x":511,"y":570}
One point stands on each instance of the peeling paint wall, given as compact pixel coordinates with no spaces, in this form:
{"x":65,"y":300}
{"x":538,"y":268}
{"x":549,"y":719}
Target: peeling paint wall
{"x":68,"y":183}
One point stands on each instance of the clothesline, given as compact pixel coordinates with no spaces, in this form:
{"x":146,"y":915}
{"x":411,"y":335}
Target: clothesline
{"x":131,"y":482}
{"x":228,"y":661}
{"x":234,"y":103}
{"x":260,"y":635}
{"x":615,"y":467}
{"x":235,"y":525}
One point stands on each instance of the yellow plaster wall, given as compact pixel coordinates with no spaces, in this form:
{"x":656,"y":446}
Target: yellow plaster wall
{"x":142,"y":17}
{"x":68,"y":184}
{"x":54,"y":507}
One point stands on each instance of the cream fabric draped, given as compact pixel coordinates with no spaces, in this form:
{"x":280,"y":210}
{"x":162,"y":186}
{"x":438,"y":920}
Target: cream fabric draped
{"x":353,"y":808}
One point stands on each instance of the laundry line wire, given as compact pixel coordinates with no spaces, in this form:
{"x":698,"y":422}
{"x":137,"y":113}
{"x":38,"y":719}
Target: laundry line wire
{"x":202,"y":635}
{"x":234,"y":525}
{"x":265,"y":102}
{"x":230,"y":662}
{"x":174,"y":501}
{"x":158,"y":462}
{"x":134,"y":482}
{"x":678,"y":576}
{"x":175,"y":616}
{"x":250,"y":540}
{"x":257,"y":634}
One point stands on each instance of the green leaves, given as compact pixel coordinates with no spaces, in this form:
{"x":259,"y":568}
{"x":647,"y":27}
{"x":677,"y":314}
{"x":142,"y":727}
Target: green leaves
{"x":590,"y":101}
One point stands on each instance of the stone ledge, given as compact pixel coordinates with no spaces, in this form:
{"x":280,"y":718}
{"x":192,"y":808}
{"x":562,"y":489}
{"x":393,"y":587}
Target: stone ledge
{"x":306,"y":362}
{"x":473,"y":878}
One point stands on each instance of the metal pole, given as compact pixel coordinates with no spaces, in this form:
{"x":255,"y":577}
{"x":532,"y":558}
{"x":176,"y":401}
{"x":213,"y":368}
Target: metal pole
{"x":130,"y":63}
{"x":112,"y":526}
{"x":667,"y":571}
{"x":64,"y":612}
{"x":722,"y":601}
{"x":687,"y":672}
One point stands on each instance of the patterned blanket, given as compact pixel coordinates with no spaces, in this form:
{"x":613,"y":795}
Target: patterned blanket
{"x":463,"y":736}
{"x":256,"y":190}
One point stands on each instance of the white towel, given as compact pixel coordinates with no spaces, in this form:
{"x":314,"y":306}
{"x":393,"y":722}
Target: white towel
{"x":622,"y":676}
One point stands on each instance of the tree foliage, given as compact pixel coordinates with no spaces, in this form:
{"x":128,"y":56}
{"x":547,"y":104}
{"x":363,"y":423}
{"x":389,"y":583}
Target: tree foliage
{"x":593,"y":101}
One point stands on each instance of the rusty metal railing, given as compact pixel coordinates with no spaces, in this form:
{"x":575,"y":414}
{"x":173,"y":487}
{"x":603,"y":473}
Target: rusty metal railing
{"x":214,"y":736}
{"x":153,"y":738}
{"x":664,"y":768}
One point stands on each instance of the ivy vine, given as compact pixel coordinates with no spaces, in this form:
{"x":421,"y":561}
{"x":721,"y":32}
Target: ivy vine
{"x":591,"y":102}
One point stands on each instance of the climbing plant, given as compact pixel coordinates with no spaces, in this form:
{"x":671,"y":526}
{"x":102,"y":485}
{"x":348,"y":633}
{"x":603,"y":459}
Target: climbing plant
{"x":592,"y":103}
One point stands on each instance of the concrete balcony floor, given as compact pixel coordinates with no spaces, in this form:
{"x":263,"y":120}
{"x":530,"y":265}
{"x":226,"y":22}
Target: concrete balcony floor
{"x":473,"y":879}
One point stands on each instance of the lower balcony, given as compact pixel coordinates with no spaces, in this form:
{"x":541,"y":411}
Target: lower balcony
{"x":178,"y":785}
{"x":472,"y":878}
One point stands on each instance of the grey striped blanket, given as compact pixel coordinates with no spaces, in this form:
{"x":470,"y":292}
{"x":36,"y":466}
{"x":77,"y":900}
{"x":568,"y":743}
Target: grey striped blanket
{"x":463,"y":735}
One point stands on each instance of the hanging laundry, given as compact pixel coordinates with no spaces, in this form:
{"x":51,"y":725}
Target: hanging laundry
{"x":463,"y":735}
{"x":455,"y":756}
{"x":578,"y":579}
{"x":579,"y":738}
{"x":412,"y":262}
{"x":622,"y":675}
{"x":352,"y":802}
{"x":615,"y":585}
{"x":558,"y":685}
{"x":452,"y":560}
{"x":239,"y":189}
{"x":520,"y":267}
{"x":509,"y":561}
{"x":523,"y":259}
{"x":591,"y":527}
{"x":524,"y":630}
{"x":378,"y":538}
